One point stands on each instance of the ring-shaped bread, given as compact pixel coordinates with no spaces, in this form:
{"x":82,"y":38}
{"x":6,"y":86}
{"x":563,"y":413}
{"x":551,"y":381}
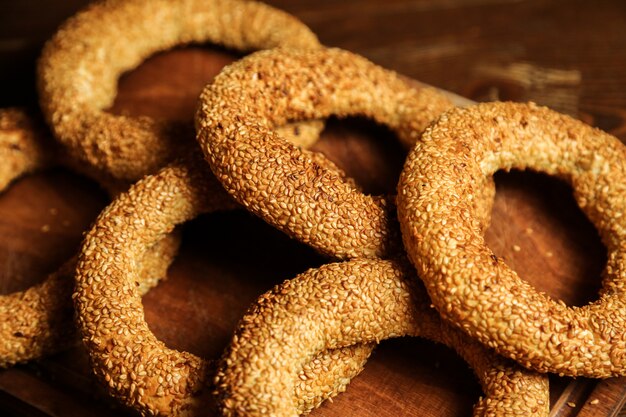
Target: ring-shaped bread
{"x":139,"y":369}
{"x":340,"y":304}
{"x":475,"y":289}
{"x":80,"y":66}
{"x":39,"y":320}
{"x":24,"y":147}
{"x":274,"y":179}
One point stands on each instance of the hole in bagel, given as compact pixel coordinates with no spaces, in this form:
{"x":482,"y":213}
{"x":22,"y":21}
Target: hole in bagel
{"x":226,"y":261}
{"x":397,"y":381}
{"x":167,"y":85}
{"x":368,"y":152}
{"x":42,"y":218}
{"x":542,"y":234}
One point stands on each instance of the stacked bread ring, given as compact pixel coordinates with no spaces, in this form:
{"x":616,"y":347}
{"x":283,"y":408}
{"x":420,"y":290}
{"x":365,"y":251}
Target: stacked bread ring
{"x":302,"y":342}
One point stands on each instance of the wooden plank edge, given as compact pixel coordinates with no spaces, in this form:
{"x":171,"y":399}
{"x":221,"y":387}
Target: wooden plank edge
{"x":28,"y":393}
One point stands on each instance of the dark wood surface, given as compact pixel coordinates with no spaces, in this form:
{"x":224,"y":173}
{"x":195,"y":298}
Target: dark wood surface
{"x":570,"y":55}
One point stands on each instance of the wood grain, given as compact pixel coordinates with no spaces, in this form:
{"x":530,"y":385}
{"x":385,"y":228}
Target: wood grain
{"x":485,"y":49}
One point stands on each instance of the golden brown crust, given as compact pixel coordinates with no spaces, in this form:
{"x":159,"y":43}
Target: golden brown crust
{"x":280,"y":183}
{"x":38,"y":321}
{"x":24,"y":147}
{"x":468,"y":284}
{"x":140,"y":370}
{"x":341,"y":304}
{"x":79,"y":67}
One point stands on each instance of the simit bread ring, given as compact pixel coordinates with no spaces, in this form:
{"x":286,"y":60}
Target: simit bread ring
{"x":353,"y":302}
{"x":38,"y":321}
{"x":271,"y":177}
{"x":24,"y":146}
{"x":251,"y":383}
{"x":79,"y":67}
{"x":140,"y":370}
{"x":468,"y":284}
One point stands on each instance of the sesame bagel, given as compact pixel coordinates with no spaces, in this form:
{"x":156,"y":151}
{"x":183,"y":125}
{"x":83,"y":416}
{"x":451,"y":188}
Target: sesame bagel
{"x":38,"y":321}
{"x":24,"y":147}
{"x":274,"y":179}
{"x":476,"y":290}
{"x":80,"y":65}
{"x":354,"y":302}
{"x":138,"y":369}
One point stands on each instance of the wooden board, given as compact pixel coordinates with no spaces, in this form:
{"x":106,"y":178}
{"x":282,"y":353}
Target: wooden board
{"x":536,"y":228}
{"x":568,"y":54}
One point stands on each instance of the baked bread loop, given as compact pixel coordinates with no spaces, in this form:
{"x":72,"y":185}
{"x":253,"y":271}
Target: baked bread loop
{"x":80,"y":65}
{"x":473,"y":288}
{"x":139,"y":369}
{"x":273,"y":178}
{"x":24,"y":147}
{"x":353,"y":302}
{"x":39,"y":321}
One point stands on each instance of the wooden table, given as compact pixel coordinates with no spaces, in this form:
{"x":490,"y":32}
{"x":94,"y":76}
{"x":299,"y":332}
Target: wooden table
{"x":570,"y":55}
